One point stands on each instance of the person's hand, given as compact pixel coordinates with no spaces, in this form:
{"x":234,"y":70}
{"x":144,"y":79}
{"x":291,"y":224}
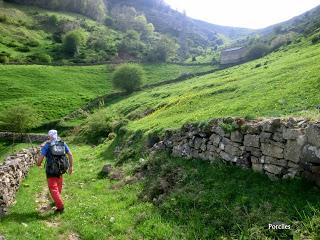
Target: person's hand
{"x":70,"y":170}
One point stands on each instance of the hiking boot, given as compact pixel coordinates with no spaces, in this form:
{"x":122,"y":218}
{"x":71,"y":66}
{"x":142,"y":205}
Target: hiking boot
{"x":59,"y":211}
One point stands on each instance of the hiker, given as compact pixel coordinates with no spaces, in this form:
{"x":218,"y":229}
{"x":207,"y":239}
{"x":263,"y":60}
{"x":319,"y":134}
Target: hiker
{"x":56,"y":165}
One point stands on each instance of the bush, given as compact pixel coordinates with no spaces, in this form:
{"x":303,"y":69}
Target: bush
{"x":53,"y":20}
{"x":128,"y":77}
{"x":3,"y":18}
{"x":4,"y":59}
{"x":315,"y":38}
{"x":72,"y":42}
{"x":257,"y":51}
{"x":19,"y":119}
{"x":41,"y":57}
{"x":97,"y":128}
{"x":23,"y":49}
{"x":33,"y":43}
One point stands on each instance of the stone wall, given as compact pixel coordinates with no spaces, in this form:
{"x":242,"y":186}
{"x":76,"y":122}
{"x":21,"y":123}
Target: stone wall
{"x":278,"y":148}
{"x":8,"y":136}
{"x":233,"y":55}
{"x":12,"y":172}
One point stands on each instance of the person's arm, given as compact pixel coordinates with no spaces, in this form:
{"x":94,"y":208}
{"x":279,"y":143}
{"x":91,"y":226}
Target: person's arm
{"x":70,"y":157}
{"x":40,"y":159}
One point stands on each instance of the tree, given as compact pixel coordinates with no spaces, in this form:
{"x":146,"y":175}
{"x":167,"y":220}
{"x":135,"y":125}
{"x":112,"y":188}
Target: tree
{"x":128,"y":77}
{"x":72,"y":42}
{"x":19,"y":119}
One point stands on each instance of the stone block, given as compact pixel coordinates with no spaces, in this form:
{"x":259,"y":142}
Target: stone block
{"x":310,"y":154}
{"x":276,"y":170}
{"x":293,"y":151}
{"x":274,"y":161}
{"x":215,"y":139}
{"x":272,"y":150}
{"x":254,"y":151}
{"x":235,"y":151}
{"x":227,"y":157}
{"x":257,"y":167}
{"x":271,"y":125}
{"x":237,"y":136}
{"x":277,"y":136}
{"x":265,"y":137}
{"x":251,"y":141}
{"x":292,"y":134}
{"x":313,"y":135}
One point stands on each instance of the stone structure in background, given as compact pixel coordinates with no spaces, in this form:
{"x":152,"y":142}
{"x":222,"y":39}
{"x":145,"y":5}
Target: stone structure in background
{"x":278,"y":148}
{"x":12,"y":173}
{"x":9,"y":136}
{"x":232,"y":55}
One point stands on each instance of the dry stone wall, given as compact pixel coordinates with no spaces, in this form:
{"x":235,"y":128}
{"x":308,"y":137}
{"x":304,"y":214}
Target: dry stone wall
{"x":278,"y":148}
{"x":12,"y":173}
{"x":8,"y":136}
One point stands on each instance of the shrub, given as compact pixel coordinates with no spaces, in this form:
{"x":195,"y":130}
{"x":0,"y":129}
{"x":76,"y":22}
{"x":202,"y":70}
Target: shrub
{"x":3,"y":18}
{"x":128,"y":77}
{"x":23,"y":49}
{"x":108,"y":21}
{"x":97,"y":127}
{"x":315,"y":38}
{"x":72,"y":42}
{"x":4,"y":59}
{"x":19,"y":119}
{"x":256,"y":51}
{"x":53,"y":20}
{"x":41,"y":57}
{"x":33,"y":43}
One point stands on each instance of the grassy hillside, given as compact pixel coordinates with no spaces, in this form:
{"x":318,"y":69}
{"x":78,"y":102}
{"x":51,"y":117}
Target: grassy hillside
{"x":204,"y":202}
{"x":284,"y":83}
{"x":57,"y":91}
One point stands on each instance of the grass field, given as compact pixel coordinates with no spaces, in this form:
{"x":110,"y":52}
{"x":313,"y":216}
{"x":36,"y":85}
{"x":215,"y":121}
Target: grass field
{"x":284,"y":83}
{"x":56,"y":91}
{"x":205,"y":202}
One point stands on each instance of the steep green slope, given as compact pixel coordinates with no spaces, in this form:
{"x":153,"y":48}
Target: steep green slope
{"x":285,"y":83}
{"x":57,"y":91}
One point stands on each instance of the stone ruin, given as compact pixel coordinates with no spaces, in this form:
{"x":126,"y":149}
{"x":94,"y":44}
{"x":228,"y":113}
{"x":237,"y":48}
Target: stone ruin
{"x":12,"y":173}
{"x":279,"y":148}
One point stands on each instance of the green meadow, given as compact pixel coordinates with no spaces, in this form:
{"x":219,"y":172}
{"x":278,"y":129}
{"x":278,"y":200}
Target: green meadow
{"x":55,"y":91}
{"x":282,"y":84}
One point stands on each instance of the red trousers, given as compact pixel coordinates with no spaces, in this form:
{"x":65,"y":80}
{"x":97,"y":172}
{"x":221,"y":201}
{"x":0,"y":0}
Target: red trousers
{"x":55,"y":187}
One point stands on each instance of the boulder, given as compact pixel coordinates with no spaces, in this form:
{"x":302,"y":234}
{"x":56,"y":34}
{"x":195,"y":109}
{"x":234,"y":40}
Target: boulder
{"x":265,"y":137}
{"x":273,"y":161}
{"x":106,"y":169}
{"x":271,"y":126}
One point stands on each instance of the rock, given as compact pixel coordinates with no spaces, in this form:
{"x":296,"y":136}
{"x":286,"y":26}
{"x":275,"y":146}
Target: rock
{"x":273,"y":161}
{"x":313,"y":135}
{"x":218,"y":130}
{"x":251,"y":141}
{"x":254,"y":151}
{"x":271,"y":126}
{"x":215,"y":139}
{"x":257,"y":167}
{"x":233,"y":150}
{"x":292,"y":134}
{"x":227,"y":157}
{"x":272,"y":150}
{"x":293,"y":151}
{"x":265,"y":137}
{"x":106,"y":169}
{"x":276,"y":170}
{"x":255,"y":160}
{"x":277,"y":136}
{"x":311,"y":154}
{"x":237,"y":137}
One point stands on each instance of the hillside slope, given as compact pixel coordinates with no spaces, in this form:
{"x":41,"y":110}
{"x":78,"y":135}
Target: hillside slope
{"x":284,"y":83}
